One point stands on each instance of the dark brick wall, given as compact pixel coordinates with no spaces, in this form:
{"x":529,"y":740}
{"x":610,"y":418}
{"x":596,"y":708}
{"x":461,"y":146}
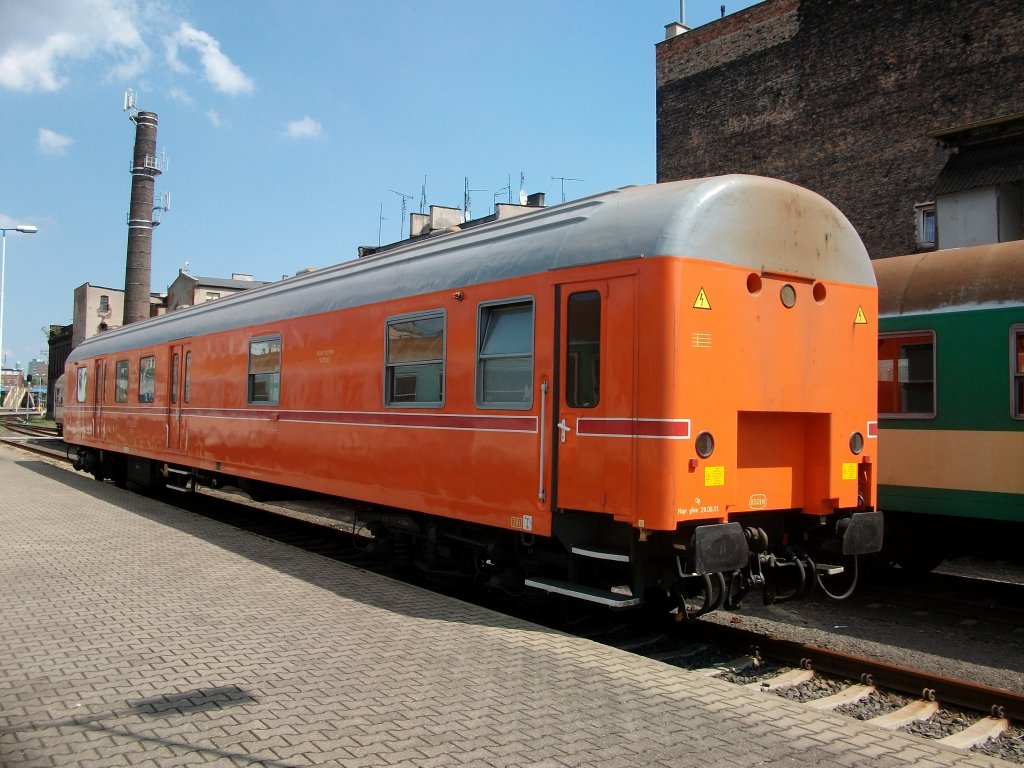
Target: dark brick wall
{"x":839,"y":96}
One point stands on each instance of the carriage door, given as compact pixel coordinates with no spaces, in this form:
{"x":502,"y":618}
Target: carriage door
{"x":178,"y":395}
{"x":595,"y":402}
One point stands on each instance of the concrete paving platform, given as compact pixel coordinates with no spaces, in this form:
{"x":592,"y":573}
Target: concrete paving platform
{"x":132,"y":633}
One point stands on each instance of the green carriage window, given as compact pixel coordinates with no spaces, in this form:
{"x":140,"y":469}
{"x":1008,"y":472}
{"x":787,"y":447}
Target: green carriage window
{"x":264,"y":371}
{"x":121,"y":381}
{"x":414,"y":364}
{"x":505,"y":355}
{"x":906,"y":375}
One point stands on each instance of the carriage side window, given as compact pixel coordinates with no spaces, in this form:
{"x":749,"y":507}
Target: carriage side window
{"x":147,"y":379}
{"x":504,"y":374}
{"x":83,"y":384}
{"x":906,"y":375}
{"x":188,"y":377}
{"x":1017,"y":366}
{"x":121,"y":381}
{"x":414,"y":362}
{"x":583,"y":350}
{"x":264,"y":370}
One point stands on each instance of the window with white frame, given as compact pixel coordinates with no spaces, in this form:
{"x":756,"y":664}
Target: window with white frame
{"x":926,"y":227}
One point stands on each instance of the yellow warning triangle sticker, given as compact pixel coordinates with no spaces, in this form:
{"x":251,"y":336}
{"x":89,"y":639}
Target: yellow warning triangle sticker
{"x":702,"y":301}
{"x":861,"y":320}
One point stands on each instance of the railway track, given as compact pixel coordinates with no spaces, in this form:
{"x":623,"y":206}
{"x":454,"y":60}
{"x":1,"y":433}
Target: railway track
{"x":964,"y":597}
{"x":706,"y":647}
{"x":959,"y":713}
{"x":14,"y":425}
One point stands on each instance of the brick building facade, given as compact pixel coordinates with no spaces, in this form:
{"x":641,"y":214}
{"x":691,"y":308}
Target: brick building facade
{"x":839,"y":96}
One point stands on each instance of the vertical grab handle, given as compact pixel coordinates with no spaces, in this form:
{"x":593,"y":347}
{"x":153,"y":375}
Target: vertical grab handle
{"x":541,"y":492}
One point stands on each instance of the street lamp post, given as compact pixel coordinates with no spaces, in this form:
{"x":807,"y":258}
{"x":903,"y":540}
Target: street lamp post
{"x":25,"y":229}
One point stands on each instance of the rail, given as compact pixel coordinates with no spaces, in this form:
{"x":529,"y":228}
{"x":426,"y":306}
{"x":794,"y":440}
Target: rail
{"x":998,"y":702}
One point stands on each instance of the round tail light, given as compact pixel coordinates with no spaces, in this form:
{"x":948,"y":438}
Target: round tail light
{"x":705,"y":444}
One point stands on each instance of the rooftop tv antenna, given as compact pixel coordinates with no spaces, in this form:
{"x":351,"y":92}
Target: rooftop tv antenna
{"x":564,"y":179}
{"x":506,"y":189}
{"x":423,"y":194}
{"x":401,"y":224}
{"x":380,"y":223}
{"x":467,"y":207}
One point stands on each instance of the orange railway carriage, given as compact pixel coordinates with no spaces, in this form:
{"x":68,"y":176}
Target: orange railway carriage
{"x":659,"y":390}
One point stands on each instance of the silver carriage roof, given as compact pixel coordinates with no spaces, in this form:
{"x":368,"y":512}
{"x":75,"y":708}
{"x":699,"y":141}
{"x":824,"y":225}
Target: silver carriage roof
{"x":951,"y":280}
{"x":763,"y":224}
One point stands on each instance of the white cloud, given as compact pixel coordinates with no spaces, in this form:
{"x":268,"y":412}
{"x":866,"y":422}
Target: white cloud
{"x":53,"y":143}
{"x":39,"y":40}
{"x":181,"y":96}
{"x":223,"y":74}
{"x":214,"y":117}
{"x":306,"y":128}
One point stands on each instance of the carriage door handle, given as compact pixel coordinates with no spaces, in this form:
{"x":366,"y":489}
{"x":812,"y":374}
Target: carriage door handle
{"x":562,"y":429}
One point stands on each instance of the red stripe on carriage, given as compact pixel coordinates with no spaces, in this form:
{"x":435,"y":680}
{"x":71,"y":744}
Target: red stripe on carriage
{"x":372,"y":419}
{"x":664,"y":428}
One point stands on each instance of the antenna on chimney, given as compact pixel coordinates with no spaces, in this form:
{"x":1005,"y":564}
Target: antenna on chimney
{"x":129,"y":104}
{"x":401,"y":224}
{"x":161,"y":205}
{"x":423,"y":194}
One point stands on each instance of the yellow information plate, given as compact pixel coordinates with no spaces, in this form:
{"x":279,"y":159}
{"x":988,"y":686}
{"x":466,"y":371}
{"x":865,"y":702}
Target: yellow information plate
{"x":849,"y":470}
{"x":714,"y":475}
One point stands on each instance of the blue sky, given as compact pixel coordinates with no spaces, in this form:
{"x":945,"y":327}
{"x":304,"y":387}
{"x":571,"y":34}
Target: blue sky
{"x":287,"y":125}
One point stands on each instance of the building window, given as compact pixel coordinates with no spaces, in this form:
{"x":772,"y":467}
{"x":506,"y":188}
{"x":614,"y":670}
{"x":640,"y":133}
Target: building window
{"x":264,"y":371}
{"x":147,"y":379}
{"x":504,"y":375}
{"x":210,"y":295}
{"x":906,"y":375}
{"x":83,"y":381}
{"x":583,"y":350}
{"x":414,"y":367}
{"x":926,"y":232}
{"x":104,"y":303}
{"x":121,"y":381}
{"x":1017,"y":366}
